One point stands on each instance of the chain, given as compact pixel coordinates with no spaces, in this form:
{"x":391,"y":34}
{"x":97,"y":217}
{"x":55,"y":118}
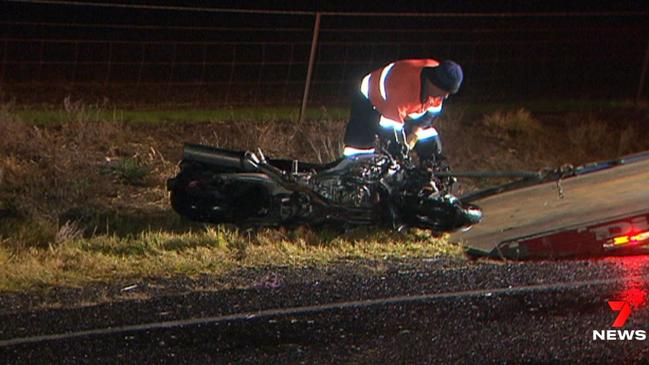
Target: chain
{"x":565,"y":170}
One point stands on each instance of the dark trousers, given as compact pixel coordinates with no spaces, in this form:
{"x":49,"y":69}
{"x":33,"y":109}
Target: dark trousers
{"x":363,"y":126}
{"x":363,"y":123}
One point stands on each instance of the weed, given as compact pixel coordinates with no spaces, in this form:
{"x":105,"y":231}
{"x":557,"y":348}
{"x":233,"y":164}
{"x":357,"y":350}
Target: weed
{"x":20,"y":234}
{"x":130,"y":171}
{"x":518,"y":123}
{"x":325,"y":145}
{"x":629,"y":140}
{"x":69,"y":231}
{"x":591,"y":139}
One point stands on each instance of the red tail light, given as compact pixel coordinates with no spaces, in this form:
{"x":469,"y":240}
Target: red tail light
{"x":628,"y":240}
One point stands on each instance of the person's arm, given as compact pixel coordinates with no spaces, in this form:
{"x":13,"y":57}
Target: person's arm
{"x":423,"y":128}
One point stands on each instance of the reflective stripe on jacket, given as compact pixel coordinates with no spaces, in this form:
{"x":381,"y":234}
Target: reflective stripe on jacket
{"x":395,"y":90}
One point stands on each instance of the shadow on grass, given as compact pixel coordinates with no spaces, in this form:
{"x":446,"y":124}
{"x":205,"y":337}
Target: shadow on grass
{"x":123,"y":224}
{"x":103,"y":221}
{"x":126,"y":232}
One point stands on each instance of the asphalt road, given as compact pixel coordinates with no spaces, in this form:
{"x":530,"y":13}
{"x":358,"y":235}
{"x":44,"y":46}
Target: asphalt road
{"x":428,"y":311}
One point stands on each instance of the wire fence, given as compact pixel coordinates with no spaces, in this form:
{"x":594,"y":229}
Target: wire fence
{"x":154,"y":56}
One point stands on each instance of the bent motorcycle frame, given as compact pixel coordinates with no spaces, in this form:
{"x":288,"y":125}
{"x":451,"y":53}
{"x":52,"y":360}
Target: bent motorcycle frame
{"x":212,"y":179}
{"x":241,"y":167}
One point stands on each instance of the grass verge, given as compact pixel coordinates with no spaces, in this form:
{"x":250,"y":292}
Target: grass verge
{"x":77,"y":261}
{"x":83,"y":199}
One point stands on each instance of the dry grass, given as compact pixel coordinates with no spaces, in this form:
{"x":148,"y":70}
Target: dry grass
{"x":589,"y":138}
{"x":84,"y":200}
{"x":215,"y":250}
{"x":512,"y":124}
{"x":87,"y":202}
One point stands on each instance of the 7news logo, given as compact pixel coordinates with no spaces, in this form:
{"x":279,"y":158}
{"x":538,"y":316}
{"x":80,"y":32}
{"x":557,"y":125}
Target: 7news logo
{"x":624,"y":311}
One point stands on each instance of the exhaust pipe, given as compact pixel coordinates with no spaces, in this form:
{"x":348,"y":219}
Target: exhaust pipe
{"x":217,"y":157}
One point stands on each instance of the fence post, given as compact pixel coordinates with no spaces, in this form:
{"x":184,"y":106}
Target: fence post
{"x":309,"y":72}
{"x":643,"y":75}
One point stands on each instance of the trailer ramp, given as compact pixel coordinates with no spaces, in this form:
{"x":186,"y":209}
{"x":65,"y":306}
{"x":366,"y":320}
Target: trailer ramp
{"x":604,"y":209}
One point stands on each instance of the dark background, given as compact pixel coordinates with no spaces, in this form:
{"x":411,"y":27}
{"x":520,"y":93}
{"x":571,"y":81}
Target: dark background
{"x":509,"y":50}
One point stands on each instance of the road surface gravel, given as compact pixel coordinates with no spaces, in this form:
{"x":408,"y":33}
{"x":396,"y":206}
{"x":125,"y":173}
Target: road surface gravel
{"x":422,"y":311}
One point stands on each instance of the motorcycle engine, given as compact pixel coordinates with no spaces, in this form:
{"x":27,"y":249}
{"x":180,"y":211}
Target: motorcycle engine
{"x":355,"y":182}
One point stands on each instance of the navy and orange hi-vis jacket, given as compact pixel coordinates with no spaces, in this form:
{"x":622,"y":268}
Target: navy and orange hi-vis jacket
{"x":395,"y":90}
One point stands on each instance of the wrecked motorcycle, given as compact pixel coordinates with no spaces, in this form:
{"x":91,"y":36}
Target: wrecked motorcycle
{"x":241,"y":187}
